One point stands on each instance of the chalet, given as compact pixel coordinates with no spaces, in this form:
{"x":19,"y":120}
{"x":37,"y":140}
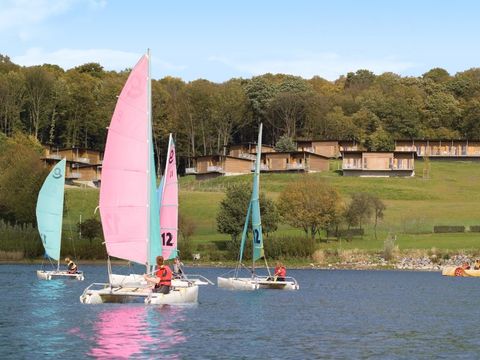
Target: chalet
{"x":378,"y":163}
{"x":83,"y":165}
{"x":296,"y":161}
{"x":210,"y":166}
{"x":246,"y":150}
{"x":441,"y":149}
{"x":329,"y":148}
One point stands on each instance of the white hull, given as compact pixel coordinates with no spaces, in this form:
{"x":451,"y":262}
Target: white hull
{"x":136,"y":280}
{"x":54,"y":274}
{"x":278,"y":285}
{"x":107,"y":294}
{"x":257,"y":283}
{"x":237,"y":283}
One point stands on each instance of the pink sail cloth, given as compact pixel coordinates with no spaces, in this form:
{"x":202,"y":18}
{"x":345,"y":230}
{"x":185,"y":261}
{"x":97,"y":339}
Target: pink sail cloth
{"x":169,"y":205}
{"x":124,"y":200}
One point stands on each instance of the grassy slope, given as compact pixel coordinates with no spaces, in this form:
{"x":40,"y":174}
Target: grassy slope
{"x":414,"y":205}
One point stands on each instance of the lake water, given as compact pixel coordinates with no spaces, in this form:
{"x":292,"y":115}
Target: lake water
{"x":334,"y":315}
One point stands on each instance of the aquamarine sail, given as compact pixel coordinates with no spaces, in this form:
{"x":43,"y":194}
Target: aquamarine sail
{"x":254,"y":210}
{"x":50,"y":210}
{"x":154,"y":244}
{"x":255,"y":204}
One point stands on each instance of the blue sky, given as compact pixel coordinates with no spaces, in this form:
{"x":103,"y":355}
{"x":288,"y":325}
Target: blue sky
{"x":218,"y":40}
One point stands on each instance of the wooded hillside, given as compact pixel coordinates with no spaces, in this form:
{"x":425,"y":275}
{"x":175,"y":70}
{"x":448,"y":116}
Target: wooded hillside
{"x":73,"y":108}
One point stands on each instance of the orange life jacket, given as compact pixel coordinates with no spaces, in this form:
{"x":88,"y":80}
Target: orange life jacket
{"x":165,"y":275}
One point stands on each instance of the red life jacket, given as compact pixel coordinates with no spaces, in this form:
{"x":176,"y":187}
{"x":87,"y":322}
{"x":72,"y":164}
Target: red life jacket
{"x":281,"y":271}
{"x":165,"y":275}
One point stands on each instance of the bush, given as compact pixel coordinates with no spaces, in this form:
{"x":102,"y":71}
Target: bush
{"x":448,"y":229}
{"x":475,"y":228}
{"x":20,"y":239}
{"x":288,"y":247}
{"x":389,"y":247}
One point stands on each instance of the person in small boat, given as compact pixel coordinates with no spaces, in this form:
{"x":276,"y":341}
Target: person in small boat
{"x":71,"y":266}
{"x":476,"y":265}
{"x":280,"y":272}
{"x":163,"y":277}
{"x":177,"y":268}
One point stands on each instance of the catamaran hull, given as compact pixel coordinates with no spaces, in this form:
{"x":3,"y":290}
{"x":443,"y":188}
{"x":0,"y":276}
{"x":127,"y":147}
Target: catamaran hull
{"x":278,"y":285}
{"x":237,"y":283}
{"x":459,"y":271}
{"x":177,"y":296}
{"x":136,"y":280}
{"x":53,"y":274}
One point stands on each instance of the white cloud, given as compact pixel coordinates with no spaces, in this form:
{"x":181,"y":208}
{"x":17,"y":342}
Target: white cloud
{"x":327,"y":65}
{"x":20,"y":14}
{"x":69,"y":58}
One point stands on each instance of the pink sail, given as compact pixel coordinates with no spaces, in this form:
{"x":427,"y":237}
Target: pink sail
{"x":124,"y":197}
{"x":169,"y":205}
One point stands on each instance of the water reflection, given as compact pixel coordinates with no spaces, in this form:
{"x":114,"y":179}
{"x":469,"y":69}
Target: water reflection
{"x":139,"y":331}
{"x":47,"y":294}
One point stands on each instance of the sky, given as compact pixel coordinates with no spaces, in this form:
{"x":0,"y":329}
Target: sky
{"x":221,"y":39}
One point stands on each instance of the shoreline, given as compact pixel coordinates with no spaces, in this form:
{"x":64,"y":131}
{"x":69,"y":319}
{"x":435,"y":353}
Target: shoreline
{"x":218,"y":264}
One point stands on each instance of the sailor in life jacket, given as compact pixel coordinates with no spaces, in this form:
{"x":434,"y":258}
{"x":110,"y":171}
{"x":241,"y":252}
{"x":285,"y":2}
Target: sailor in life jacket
{"x":162,"y":278}
{"x":280,"y":272}
{"x":71,"y":266}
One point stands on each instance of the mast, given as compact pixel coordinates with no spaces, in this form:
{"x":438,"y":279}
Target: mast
{"x":149,"y":138}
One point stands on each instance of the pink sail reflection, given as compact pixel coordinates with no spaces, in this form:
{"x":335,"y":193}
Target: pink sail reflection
{"x":130,"y":331}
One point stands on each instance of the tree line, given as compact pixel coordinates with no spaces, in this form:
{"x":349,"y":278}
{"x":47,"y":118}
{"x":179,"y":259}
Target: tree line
{"x":66,"y":108}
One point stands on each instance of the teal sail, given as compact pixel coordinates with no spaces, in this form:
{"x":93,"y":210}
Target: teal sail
{"x":50,"y":210}
{"x":255,"y":204}
{"x":154,"y":244}
{"x":254,"y":210}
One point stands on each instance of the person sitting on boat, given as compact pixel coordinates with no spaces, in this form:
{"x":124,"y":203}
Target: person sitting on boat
{"x":476,"y":266}
{"x":177,"y":268}
{"x":71,"y":266}
{"x":280,"y":272}
{"x":162,"y":278}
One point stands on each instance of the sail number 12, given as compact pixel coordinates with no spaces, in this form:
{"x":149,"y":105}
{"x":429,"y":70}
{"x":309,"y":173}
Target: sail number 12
{"x":167,"y":239}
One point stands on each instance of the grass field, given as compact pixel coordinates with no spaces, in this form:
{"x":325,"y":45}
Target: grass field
{"x":451,"y":196}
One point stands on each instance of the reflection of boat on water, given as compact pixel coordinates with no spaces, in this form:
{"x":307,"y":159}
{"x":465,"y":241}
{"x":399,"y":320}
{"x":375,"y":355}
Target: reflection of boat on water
{"x":128,"y":205}
{"x":132,"y":331}
{"x":49,"y":213}
{"x":459,"y":271}
{"x":255,"y":281}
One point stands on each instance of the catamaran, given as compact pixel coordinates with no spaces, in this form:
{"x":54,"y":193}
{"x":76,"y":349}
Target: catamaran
{"x":255,"y":281}
{"x":129,"y":207}
{"x":49,"y":213}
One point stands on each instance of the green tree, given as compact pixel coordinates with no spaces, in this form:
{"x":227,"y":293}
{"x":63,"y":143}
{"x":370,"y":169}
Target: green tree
{"x":378,"y":211}
{"x":90,"y":229}
{"x":310,"y":204}
{"x":233,"y":210}
{"x":285,"y":143}
{"x":359,"y":210}
{"x":38,"y":85}
{"x":187,"y":228}
{"x":21,"y":177}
